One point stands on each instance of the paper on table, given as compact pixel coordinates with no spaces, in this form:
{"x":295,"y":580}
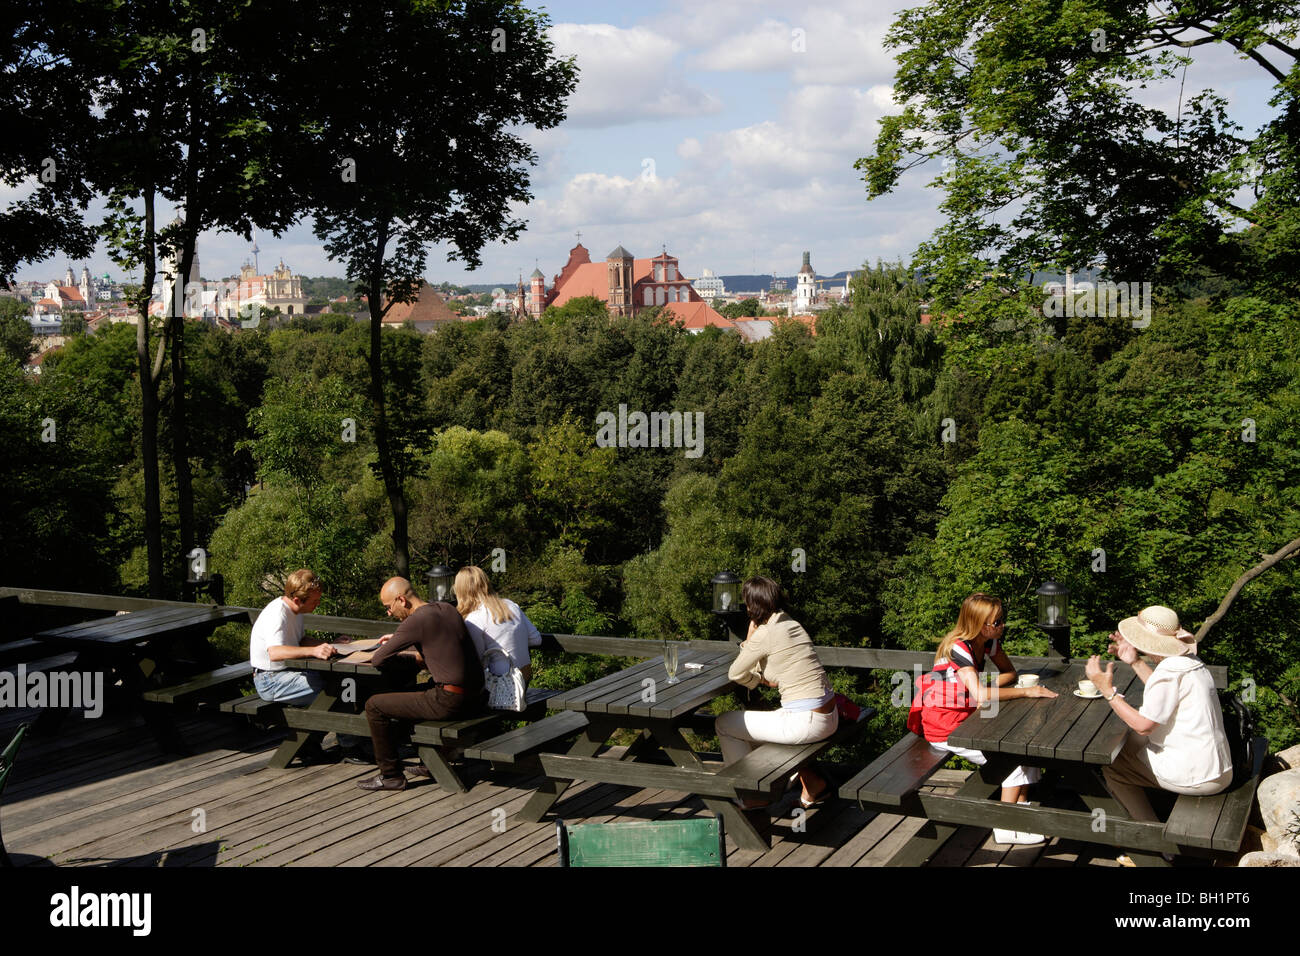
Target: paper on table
{"x":358,"y":652}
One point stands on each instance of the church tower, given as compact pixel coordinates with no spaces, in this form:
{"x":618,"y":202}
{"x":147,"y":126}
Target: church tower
{"x":805,"y":293}
{"x":536,"y":293}
{"x":620,"y":281}
{"x":68,"y":278}
{"x":86,"y":288}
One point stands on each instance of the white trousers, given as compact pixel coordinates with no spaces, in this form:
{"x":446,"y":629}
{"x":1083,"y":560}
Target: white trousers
{"x":1020,"y":777}
{"x":739,"y":730}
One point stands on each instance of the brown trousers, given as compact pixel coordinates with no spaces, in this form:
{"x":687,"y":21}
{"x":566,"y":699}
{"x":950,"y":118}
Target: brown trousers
{"x":432,"y":704}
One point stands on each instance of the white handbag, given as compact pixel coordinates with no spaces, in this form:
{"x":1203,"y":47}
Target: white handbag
{"x":505,"y":691}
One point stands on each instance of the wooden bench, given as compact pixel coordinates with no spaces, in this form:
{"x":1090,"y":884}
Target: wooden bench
{"x":893,"y":778}
{"x":517,"y":749}
{"x":429,"y":737}
{"x":253,"y":707}
{"x":201,"y":685}
{"x":1216,"y":823}
{"x":767,"y":768}
{"x":7,"y":759}
{"x":696,"y":841}
{"x":20,"y":652}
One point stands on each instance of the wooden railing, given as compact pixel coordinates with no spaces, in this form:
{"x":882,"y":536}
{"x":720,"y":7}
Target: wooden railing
{"x":855,"y":658}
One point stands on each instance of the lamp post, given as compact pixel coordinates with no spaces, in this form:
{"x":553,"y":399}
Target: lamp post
{"x":726,"y":603}
{"x":440,"y":581}
{"x":1054,"y":615}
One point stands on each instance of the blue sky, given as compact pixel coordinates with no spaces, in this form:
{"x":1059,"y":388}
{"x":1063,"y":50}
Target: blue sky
{"x":751,"y":143}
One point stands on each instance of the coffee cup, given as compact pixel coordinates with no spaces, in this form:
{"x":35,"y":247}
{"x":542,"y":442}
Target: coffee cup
{"x":1087,"y":688}
{"x":1027,"y":680}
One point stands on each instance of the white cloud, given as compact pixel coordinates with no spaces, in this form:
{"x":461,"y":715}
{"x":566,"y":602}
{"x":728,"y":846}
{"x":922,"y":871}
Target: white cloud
{"x":614,"y":200}
{"x":627,"y":76}
{"x":822,"y":44}
{"x":821,"y":131}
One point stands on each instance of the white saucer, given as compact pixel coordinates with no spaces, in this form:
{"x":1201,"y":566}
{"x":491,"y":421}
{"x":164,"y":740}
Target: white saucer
{"x":1087,"y":696}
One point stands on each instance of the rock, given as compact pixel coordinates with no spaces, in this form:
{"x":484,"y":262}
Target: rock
{"x":1279,"y":805}
{"x":1289,"y":758}
{"x":1268,"y":859}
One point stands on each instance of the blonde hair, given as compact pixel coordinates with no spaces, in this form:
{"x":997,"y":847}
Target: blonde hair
{"x":473,"y":589}
{"x":974,"y":614}
{"x":300,"y":584}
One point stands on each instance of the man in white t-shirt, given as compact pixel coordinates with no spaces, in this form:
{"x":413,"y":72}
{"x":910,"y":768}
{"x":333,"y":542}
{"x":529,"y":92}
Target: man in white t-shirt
{"x":278,"y":636}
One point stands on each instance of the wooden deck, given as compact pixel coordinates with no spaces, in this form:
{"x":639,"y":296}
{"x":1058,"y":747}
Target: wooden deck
{"x":100,"y":794}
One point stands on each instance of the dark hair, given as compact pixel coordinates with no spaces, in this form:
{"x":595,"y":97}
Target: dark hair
{"x":763,"y":598}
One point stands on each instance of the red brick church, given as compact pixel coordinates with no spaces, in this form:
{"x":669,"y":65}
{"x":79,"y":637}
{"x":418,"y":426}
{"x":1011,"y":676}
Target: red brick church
{"x":626,"y":284}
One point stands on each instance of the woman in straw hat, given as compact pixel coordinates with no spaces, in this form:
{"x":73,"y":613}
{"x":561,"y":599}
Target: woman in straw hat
{"x":1176,"y":740}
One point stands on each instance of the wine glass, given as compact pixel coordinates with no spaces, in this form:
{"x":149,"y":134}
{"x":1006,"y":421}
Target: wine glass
{"x":670,"y":661}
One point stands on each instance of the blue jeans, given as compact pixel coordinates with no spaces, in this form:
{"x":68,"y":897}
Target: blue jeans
{"x":288,"y":687}
{"x":298,"y":688}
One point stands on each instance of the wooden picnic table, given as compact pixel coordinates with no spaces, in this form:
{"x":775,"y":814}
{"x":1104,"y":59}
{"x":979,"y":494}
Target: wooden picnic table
{"x":334,"y":710}
{"x":171,"y":638}
{"x":335,"y":707}
{"x":1072,"y":739}
{"x":640,"y":698}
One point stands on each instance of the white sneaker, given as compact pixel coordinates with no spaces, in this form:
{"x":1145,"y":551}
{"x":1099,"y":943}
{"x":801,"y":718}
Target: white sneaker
{"x":1016,"y":836}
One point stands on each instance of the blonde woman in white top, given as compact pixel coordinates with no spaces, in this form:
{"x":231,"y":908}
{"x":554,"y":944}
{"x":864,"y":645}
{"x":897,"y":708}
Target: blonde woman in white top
{"x":495,"y":622}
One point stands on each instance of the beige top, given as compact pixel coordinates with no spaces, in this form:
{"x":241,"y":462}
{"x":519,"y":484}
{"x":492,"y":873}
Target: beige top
{"x":782,"y":653}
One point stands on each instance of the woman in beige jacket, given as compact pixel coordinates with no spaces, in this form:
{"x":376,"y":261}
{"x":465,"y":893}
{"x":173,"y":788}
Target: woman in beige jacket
{"x":779,"y":653}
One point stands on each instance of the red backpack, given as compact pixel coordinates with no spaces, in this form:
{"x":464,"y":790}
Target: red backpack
{"x":939,"y":705}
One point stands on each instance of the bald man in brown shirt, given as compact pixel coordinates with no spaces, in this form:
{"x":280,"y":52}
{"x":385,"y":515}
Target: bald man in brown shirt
{"x":438,"y":633}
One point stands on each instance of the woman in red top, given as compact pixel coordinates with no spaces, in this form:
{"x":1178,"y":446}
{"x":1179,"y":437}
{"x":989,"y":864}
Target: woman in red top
{"x":952,"y":692}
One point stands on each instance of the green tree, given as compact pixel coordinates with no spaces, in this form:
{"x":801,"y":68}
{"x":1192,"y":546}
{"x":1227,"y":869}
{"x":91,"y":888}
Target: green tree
{"x":17,"y":344}
{"x":1051,"y":158}
{"x":472,"y":498}
{"x":430,"y":153}
{"x":183,"y":101}
{"x":43,"y":97}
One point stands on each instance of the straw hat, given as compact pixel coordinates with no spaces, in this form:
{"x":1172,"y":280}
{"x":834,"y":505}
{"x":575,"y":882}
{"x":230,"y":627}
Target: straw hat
{"x":1156,"y":631}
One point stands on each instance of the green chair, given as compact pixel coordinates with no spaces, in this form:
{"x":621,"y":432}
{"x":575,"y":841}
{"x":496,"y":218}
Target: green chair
{"x":698,"y":841}
{"x":6,"y":766}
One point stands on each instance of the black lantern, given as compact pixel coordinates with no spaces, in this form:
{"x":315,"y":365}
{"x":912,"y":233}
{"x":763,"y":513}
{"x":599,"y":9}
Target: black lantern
{"x":198,"y":580}
{"x":1054,"y":615}
{"x":726,"y":603}
{"x":726,"y":592}
{"x":440,"y":584}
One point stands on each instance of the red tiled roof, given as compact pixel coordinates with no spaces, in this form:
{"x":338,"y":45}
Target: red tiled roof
{"x":697,"y":315}
{"x":71,"y":293}
{"x":808,"y":320}
{"x":428,"y":307}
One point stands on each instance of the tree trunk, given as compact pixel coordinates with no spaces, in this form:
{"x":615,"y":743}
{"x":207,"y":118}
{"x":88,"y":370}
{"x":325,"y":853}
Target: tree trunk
{"x":1286,"y":551}
{"x":383,"y":442}
{"x":180,"y":433}
{"x":149,"y":413}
